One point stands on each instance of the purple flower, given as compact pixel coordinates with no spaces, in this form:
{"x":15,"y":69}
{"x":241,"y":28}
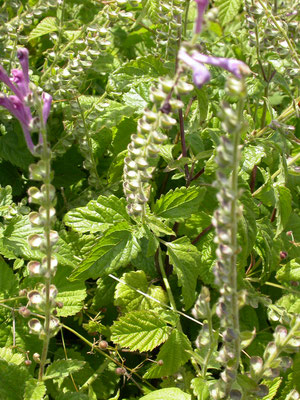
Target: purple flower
{"x":201,"y":74}
{"x":17,"y":104}
{"x":236,"y":67}
{"x":201,"y":4}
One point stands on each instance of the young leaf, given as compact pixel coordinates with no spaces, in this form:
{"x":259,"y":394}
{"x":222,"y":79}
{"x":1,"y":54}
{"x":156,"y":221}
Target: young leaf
{"x":171,"y":393}
{"x":180,"y":203}
{"x":200,"y":388}
{"x":98,"y":215}
{"x":273,"y":388}
{"x":228,"y":10}
{"x":112,"y":251}
{"x":63,"y":368}
{"x":289,"y":272}
{"x":14,"y":358}
{"x":140,"y":330}
{"x":47,"y":25}
{"x":185,"y":259}
{"x":173,"y":354}
{"x":34,"y":390}
{"x":5,"y":199}
{"x":283,"y":204}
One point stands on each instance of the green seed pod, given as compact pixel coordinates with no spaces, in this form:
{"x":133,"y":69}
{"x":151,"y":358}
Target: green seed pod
{"x":35,"y":326}
{"x":166,"y":85}
{"x":134,"y":152}
{"x":35,"y":299}
{"x":157,"y":96}
{"x":144,"y":127}
{"x":157,"y":137}
{"x":166,"y":121}
{"x":183,"y":87}
{"x":150,"y":116}
{"x":35,"y":219}
{"x":152,"y":151}
{"x":35,"y":268}
{"x":142,"y":163}
{"x":176,"y":104}
{"x":35,"y":241}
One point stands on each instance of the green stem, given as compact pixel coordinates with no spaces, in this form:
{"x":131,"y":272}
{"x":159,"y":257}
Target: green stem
{"x":167,"y":286}
{"x":266,"y":94}
{"x":187,"y":6}
{"x":95,"y":375}
{"x":46,"y":157}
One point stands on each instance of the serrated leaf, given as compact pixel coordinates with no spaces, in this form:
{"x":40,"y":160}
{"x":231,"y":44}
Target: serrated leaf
{"x":140,"y":330}
{"x":14,"y":358}
{"x":13,"y":378}
{"x":228,"y":10}
{"x":283,"y":204}
{"x":158,"y":226}
{"x":47,"y":25}
{"x":129,"y":300}
{"x":173,"y":353}
{"x":273,"y":388}
{"x":8,"y":281}
{"x":98,"y":215}
{"x":290,"y":302}
{"x":63,"y":368}
{"x":5,"y":199}
{"x":34,"y":390}
{"x":289,"y":272}
{"x":180,"y":203}
{"x":112,"y":251}
{"x":73,"y":396}
{"x":167,"y":394}
{"x":185,"y":259}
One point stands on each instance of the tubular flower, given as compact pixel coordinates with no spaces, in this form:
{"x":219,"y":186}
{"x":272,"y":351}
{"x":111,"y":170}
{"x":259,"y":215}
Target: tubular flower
{"x":201,"y":4}
{"x":17,"y":103}
{"x":201,"y":74}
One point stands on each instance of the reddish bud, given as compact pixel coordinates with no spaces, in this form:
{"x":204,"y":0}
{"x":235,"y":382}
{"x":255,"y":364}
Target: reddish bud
{"x":103,"y":344}
{"x":283,"y":255}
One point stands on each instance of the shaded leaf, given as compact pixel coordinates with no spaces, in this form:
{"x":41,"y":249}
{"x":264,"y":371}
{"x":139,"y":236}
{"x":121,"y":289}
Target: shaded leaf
{"x":167,"y":394}
{"x":185,"y":259}
{"x":34,"y":390}
{"x":63,"y":368}
{"x":228,"y":10}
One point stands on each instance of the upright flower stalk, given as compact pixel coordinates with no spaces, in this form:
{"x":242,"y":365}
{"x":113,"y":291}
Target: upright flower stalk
{"x":28,"y":99}
{"x":226,"y":224}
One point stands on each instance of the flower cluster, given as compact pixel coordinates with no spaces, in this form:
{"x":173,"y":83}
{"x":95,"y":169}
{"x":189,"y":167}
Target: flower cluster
{"x":144,"y":145}
{"x":19,"y":103}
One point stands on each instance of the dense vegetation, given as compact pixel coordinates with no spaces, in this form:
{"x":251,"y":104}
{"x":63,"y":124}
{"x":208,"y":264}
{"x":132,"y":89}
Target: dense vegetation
{"x":149,"y":199}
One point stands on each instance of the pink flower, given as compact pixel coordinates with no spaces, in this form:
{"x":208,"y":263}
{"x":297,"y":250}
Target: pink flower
{"x":17,"y":103}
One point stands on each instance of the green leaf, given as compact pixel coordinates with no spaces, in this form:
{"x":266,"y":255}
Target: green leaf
{"x":283,"y":204}
{"x":290,"y":302}
{"x":185,"y":259}
{"x":13,"y":379}
{"x":129,"y":300}
{"x":140,"y":330}
{"x":252,"y":156}
{"x":167,"y":394}
{"x":114,"y":250}
{"x":180,"y":203}
{"x":157,"y":226}
{"x":63,"y":368}
{"x":173,"y":353}
{"x":47,"y":25}
{"x":121,"y":137}
{"x":5,"y":199}
{"x":8,"y":281}
{"x":273,"y":388}
{"x":289,"y":272}
{"x":228,"y":10}
{"x":73,"y":396}
{"x":200,"y":388}
{"x":71,"y":294}
{"x":34,"y":390}
{"x":98,"y":215}
{"x":14,"y":358}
